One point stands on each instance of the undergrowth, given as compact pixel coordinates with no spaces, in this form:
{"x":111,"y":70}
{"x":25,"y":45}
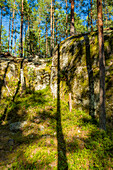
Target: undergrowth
{"x":75,"y":139}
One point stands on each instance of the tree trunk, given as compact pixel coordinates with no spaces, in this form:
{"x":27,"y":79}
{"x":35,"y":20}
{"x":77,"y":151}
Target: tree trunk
{"x":22,"y":79}
{"x":91,"y":16}
{"x":51,"y":29}
{"x":9,"y":31}
{"x":28,"y":37}
{"x":46,"y":39}
{"x":15,"y":41}
{"x":25,"y":41}
{"x":72,"y":29}
{"x":1,"y":31}
{"x":56,"y":33}
{"x":53,"y":25}
{"x":88,"y":20}
{"x":39,"y":35}
{"x":21,"y":33}
{"x":102,"y":113}
{"x":66,"y":19}
{"x":12,"y":26}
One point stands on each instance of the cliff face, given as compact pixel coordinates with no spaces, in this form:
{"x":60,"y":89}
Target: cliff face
{"x":79,"y":70}
{"x":36,"y":73}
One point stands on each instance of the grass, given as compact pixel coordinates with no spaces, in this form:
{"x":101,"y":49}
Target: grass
{"x":42,"y":144}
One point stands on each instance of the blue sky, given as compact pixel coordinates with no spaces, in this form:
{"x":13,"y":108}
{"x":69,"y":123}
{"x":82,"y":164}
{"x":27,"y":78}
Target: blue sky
{"x":6,"y":18}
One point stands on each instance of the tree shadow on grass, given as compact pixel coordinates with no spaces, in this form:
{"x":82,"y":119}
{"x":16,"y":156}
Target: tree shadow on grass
{"x":20,"y":140}
{"x":61,"y":145}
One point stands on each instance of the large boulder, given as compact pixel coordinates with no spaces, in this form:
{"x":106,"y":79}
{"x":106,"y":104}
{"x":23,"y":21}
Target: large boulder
{"x":79,"y":70}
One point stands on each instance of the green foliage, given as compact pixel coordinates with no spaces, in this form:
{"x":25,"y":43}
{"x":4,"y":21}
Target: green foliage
{"x":35,"y":145}
{"x":4,"y":40}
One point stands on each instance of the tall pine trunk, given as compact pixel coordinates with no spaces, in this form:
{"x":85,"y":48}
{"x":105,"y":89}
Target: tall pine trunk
{"x":51,"y":28}
{"x":9,"y":31}
{"x":21,"y":31}
{"x":88,"y":20}
{"x":66,"y":18}
{"x":72,"y":29}
{"x":1,"y":31}
{"x":53,"y":25}
{"x":25,"y":41}
{"x":39,"y":34}
{"x":56,"y":33}
{"x":102,"y":113}
{"x":12,"y":26}
{"x":15,"y":40}
{"x":22,"y":80}
{"x":46,"y":39}
{"x":28,"y":37}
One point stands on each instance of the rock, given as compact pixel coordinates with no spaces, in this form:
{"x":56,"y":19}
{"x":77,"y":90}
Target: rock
{"x":17,"y":125}
{"x":78,"y":131}
{"x":41,"y":128}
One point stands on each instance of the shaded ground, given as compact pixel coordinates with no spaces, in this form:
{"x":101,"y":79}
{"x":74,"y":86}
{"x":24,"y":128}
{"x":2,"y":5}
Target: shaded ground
{"x":34,"y":145}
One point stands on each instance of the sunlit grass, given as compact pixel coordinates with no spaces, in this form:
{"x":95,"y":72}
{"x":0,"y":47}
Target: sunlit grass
{"x":35,"y":144}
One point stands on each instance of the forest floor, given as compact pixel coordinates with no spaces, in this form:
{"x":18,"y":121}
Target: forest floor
{"x":39,"y":133}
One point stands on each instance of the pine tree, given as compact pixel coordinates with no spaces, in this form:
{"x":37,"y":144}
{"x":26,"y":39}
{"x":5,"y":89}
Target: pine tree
{"x":12,"y":26}
{"x":102,"y":113}
{"x":72,"y":29}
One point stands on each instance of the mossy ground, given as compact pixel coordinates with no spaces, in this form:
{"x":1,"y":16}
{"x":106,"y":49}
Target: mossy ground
{"x":35,"y":146}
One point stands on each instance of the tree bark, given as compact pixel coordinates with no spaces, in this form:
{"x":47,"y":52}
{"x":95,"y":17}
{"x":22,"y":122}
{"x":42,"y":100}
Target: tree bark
{"x":53,"y":25}
{"x":102,"y":113}
{"x":9,"y":31}
{"x":51,"y":29}
{"x":21,"y":33}
{"x":12,"y":26}
{"x":88,"y":20}
{"x":72,"y":29}
{"x":56,"y":33}
{"x":66,"y":19}
{"x":1,"y":31}
{"x":39,"y":34}
{"x":46,"y":39}
{"x":25,"y":41}
{"x":15,"y":41}
{"x":28,"y":36}
{"x":22,"y":79}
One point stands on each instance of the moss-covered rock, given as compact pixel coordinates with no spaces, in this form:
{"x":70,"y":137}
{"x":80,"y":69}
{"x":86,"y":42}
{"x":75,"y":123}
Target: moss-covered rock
{"x":36,"y":73}
{"x":79,"y":69}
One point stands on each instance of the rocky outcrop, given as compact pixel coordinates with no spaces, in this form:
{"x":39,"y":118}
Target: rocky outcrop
{"x":36,"y":73}
{"x":79,"y":70}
